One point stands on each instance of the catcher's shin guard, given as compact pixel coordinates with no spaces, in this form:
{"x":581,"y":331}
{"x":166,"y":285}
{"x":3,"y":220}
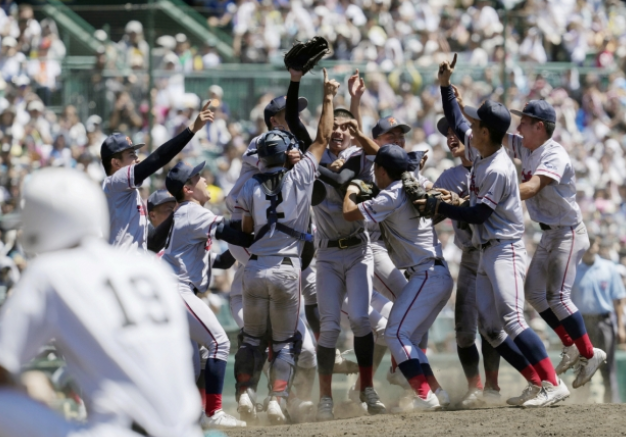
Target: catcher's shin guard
{"x":249,"y":361}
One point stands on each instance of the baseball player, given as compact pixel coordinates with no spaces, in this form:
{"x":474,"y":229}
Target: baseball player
{"x":549,"y":189}
{"x":125,"y":174}
{"x":187,"y":250}
{"x":125,"y":341}
{"x":161,"y":205}
{"x":496,"y":220}
{"x":276,"y":207}
{"x":412,"y":245}
{"x":457,"y":180}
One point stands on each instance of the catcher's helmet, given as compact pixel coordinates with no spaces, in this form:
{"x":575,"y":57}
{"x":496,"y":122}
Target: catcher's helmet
{"x":272,"y":145}
{"x":61,"y":207}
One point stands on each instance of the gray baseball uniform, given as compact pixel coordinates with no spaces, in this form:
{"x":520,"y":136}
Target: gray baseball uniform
{"x":127,"y":210}
{"x":552,"y":270}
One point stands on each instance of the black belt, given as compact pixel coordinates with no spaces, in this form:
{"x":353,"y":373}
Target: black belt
{"x":489,"y":243}
{"x":439,"y":262}
{"x":344,"y":243}
{"x":544,"y":227}
{"x":286,"y":260}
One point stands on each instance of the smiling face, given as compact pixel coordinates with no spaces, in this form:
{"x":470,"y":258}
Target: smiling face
{"x":340,"y":138}
{"x":456,"y":147}
{"x":394,"y":136}
{"x":532,"y":131}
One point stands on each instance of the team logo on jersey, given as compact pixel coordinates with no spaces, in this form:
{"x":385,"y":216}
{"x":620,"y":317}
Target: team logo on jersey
{"x":473,"y":188}
{"x":141,"y":210}
{"x":604,"y":285}
{"x":129,"y":141}
{"x":526,"y":175}
{"x":209,"y":244}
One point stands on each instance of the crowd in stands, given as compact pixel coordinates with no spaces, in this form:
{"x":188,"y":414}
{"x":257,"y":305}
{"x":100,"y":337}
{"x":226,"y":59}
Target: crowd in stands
{"x":591,"y":108}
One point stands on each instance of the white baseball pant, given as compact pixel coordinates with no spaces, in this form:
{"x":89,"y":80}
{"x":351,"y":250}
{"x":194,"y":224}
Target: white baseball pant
{"x":388,"y":280}
{"x":465,"y":310}
{"x":378,"y":320}
{"x":552,"y":270}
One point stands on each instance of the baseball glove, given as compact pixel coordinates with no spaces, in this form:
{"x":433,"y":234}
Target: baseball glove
{"x":303,"y":56}
{"x":366,"y":190}
{"x":415,"y":191}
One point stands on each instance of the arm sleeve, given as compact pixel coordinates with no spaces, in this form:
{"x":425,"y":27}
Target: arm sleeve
{"x":476,"y":215}
{"x":553,"y":166}
{"x":162,"y":156}
{"x":454,"y":116}
{"x":226,"y":233}
{"x":379,"y":208}
{"x":292,"y":115}
{"x":349,"y":171}
{"x":492,"y":189}
{"x":156,"y":241}
{"x":224,"y":260}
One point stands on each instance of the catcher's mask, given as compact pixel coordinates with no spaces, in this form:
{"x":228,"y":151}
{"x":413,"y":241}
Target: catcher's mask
{"x":272,"y":145}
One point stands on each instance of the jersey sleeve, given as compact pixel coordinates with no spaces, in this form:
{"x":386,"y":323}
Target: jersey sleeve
{"x":252,"y":160}
{"x":471,"y":153}
{"x":303,"y":173}
{"x":379,"y":208}
{"x":121,"y":180}
{"x":493,"y":189}
{"x":552,"y":165}
{"x":203,"y":223}
{"x":26,"y":321}
{"x":446,"y":181}
{"x":244,"y":199}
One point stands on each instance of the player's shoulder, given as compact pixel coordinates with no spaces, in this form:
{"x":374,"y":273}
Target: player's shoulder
{"x":552,"y":148}
{"x":123,"y":175}
{"x":393,"y":193}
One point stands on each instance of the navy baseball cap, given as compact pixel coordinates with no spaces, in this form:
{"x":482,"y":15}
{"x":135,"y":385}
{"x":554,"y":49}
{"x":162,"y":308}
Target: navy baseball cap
{"x":159,"y":197}
{"x":539,"y":109}
{"x":393,"y":158}
{"x":179,"y":175}
{"x":493,"y":113}
{"x":384,"y":125}
{"x":278,"y":104}
{"x":117,"y":143}
{"x":443,"y":126}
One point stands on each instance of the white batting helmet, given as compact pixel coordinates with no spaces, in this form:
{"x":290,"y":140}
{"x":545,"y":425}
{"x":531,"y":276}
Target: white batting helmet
{"x":60,"y":208}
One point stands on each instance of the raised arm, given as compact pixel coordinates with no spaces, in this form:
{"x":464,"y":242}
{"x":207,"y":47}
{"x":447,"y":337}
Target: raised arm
{"x":356,"y":88}
{"x":325,"y":127}
{"x":292,"y":115}
{"x":173,"y":147}
{"x":368,"y":145}
{"x":451,"y":107}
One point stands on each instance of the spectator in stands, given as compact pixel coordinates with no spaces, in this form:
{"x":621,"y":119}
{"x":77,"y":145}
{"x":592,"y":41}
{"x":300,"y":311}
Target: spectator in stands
{"x":30,"y":30}
{"x":124,"y":117}
{"x":44,"y":71}
{"x":10,"y":59}
{"x":133,"y":45}
{"x":182,"y":50}
{"x":210,"y":57}
{"x":38,"y":126}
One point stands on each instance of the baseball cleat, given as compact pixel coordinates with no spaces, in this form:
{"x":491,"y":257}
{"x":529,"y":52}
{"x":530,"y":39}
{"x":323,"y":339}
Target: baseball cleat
{"x":246,"y":408}
{"x":442,"y":395}
{"x":529,"y":392}
{"x":472,"y":399}
{"x":220,"y":419}
{"x":569,"y":356}
{"x":300,"y":411}
{"x":355,"y":396}
{"x":431,"y":403}
{"x":325,"y":409}
{"x":371,"y":399}
{"x":275,"y":413}
{"x":491,"y":396}
{"x":587,"y":367}
{"x":555,"y":393}
{"x":397,"y":378}
{"x":343,"y":365}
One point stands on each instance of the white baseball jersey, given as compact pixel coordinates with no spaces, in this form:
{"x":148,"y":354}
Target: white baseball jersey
{"x":328,"y":215}
{"x":555,"y":204}
{"x":122,"y":328}
{"x":127,"y":211}
{"x":410,"y":239}
{"x":493,"y":181}
{"x":293,"y":209}
{"x":250,"y":165}
{"x":188,"y":249}
{"x":457,"y":179}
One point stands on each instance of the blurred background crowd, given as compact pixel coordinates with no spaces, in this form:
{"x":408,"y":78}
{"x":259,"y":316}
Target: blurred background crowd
{"x":396,"y":44}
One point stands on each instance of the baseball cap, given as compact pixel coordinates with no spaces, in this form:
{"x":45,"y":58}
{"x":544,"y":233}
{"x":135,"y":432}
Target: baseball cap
{"x":443,"y":126}
{"x":159,"y":197}
{"x":539,"y":109}
{"x":384,"y":125}
{"x":179,"y":175}
{"x":393,"y":158}
{"x":493,"y":113}
{"x":280,"y":103}
{"x":116,"y":143}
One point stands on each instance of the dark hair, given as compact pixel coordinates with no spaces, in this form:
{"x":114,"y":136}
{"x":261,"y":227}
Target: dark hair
{"x":106,"y":162}
{"x":548,"y":126}
{"x":394,"y":175}
{"x":269,"y":123}
{"x":495,"y":136}
{"x":180,"y":196}
{"x":343,"y":113}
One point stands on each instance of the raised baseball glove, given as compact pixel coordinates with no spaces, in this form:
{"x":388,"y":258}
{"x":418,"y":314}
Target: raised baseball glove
{"x":303,"y":56}
{"x":367,"y":190}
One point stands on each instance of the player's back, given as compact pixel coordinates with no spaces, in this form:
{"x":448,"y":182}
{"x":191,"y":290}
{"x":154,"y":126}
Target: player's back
{"x":120,"y":324}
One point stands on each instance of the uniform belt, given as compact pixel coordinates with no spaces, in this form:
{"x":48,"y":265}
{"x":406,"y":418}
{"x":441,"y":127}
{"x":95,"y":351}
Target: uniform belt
{"x":544,"y":227}
{"x":439,"y":262}
{"x":286,"y":260}
{"x":489,"y":243}
{"x":344,"y":243}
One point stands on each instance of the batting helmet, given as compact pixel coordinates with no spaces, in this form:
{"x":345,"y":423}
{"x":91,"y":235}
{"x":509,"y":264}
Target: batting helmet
{"x":61,"y":207}
{"x":272,"y":145}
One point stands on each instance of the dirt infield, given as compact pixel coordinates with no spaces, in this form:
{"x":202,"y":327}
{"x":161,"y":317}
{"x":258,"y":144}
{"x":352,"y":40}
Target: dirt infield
{"x":559,"y":420}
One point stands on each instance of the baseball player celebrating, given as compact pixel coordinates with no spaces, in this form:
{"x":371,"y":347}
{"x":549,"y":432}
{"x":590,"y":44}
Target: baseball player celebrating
{"x":496,"y":220}
{"x":125,"y":174}
{"x":125,"y":341}
{"x":276,"y":207}
{"x":412,"y":245}
{"x":188,"y":252}
{"x":549,"y":189}
{"x":457,"y":180}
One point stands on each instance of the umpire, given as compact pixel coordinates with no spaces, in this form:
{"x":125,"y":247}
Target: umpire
{"x":599,"y":294}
